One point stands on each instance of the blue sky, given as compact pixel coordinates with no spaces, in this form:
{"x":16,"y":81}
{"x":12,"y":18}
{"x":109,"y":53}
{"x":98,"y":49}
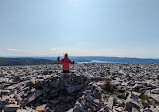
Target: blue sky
{"x":125,"y":28}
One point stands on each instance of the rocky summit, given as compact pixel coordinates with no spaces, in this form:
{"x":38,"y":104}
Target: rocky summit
{"x":87,"y":88}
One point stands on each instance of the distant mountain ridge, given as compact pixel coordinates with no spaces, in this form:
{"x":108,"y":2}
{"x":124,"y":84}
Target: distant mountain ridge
{"x":24,"y":61}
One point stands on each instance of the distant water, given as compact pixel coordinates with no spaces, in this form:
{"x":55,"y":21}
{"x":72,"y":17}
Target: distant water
{"x":97,"y":59}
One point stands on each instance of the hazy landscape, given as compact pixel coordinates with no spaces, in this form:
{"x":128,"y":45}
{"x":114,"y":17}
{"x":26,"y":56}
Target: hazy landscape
{"x":9,"y":61}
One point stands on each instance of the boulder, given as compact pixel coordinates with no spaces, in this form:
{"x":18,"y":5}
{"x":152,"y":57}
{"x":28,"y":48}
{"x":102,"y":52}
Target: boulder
{"x":49,"y":110}
{"x":78,"y":108}
{"x":41,"y":108}
{"x":31,"y":97}
{"x":54,"y":102}
{"x":54,"y":92}
{"x":11,"y":108}
{"x":155,"y":97}
{"x":134,"y":110}
{"x":89,"y":98}
{"x":133,"y":101}
{"x":119,"y":109}
{"x":54,"y":83}
{"x":73,"y":88}
{"x":111,"y":102}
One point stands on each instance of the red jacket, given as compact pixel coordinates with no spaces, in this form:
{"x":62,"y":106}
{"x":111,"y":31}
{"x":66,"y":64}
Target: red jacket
{"x":66,"y":62}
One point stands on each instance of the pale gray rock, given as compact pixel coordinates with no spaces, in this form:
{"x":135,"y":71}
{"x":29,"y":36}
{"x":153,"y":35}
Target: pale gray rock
{"x":11,"y":108}
{"x":78,"y":107}
{"x":111,"y":102}
{"x":133,"y":101}
{"x":134,"y":110}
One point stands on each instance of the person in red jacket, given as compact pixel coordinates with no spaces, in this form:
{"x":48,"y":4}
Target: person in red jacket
{"x":65,"y":61}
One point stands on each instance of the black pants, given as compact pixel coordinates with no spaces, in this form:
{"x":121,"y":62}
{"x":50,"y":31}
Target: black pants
{"x":65,"y":71}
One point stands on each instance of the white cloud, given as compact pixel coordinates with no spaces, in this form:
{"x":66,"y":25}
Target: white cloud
{"x":15,"y":50}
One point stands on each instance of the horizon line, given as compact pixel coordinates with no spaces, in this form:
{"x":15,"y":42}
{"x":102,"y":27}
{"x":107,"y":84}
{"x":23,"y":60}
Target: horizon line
{"x":77,"y":56}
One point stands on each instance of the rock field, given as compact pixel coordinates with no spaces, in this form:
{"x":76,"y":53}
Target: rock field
{"x":87,"y":88}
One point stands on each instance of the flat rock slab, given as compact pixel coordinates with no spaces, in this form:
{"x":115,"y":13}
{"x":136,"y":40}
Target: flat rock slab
{"x":41,"y":108}
{"x":74,"y":88}
{"x":11,"y":108}
{"x":155,"y":97}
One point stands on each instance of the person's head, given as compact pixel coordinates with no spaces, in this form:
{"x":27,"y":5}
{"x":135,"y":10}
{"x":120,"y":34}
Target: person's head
{"x":66,"y":55}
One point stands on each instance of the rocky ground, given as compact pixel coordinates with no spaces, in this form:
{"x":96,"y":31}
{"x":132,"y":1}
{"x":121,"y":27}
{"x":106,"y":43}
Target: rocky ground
{"x":89,"y":88}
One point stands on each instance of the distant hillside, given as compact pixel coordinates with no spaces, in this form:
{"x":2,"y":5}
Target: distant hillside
{"x":24,"y":61}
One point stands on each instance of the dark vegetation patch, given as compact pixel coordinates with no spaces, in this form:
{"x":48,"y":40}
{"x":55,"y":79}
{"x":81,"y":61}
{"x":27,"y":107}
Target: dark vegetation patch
{"x":109,"y":87}
{"x":24,"y":61}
